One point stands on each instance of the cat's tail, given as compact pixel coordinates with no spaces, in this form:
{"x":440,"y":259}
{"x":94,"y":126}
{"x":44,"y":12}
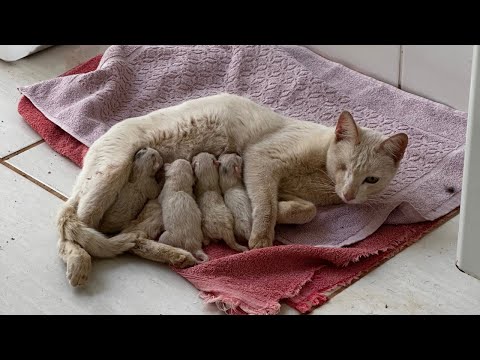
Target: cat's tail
{"x":95,"y":243}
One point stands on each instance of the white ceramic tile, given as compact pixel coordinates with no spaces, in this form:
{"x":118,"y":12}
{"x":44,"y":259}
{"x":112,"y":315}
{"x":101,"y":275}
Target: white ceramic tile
{"x":50,"y":168}
{"x":438,"y":72}
{"x":32,"y":277}
{"x":422,"y":279}
{"x":379,"y":61}
{"x":15,"y":133}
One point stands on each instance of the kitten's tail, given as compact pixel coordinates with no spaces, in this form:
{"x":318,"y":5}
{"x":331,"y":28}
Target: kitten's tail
{"x":95,"y":243}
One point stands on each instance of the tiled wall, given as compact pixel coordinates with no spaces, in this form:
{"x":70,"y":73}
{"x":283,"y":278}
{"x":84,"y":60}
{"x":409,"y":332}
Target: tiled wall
{"x":437,"y":72}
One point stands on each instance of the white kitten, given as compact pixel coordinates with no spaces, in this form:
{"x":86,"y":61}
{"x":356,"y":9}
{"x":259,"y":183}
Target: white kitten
{"x":235,"y":195}
{"x":181,"y":216}
{"x":217,"y":220}
{"x":141,"y":187}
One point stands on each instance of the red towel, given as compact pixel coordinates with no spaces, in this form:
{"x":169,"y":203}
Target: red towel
{"x":256,"y":281}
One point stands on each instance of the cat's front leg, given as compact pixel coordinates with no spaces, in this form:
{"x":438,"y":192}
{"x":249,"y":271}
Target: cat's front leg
{"x":262,"y":189}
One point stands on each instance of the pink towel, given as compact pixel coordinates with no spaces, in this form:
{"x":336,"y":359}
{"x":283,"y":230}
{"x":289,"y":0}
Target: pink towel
{"x":306,"y":275}
{"x":134,"y":80}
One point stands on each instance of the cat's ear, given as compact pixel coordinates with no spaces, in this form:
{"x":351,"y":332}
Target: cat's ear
{"x":346,"y":129}
{"x":166,"y":166}
{"x":395,"y":146}
{"x":216,"y":163}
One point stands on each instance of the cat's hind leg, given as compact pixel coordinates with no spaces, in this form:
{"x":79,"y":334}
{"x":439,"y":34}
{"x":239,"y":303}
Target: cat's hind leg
{"x":295,"y":211}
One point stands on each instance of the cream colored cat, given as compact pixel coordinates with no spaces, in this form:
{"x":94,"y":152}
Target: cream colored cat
{"x":235,"y":195}
{"x":182,"y":218}
{"x":217,"y":220}
{"x":289,"y":165}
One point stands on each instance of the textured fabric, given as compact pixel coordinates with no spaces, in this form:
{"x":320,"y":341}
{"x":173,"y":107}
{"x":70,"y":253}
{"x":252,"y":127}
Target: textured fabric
{"x":135,"y":80}
{"x":304,"y":288}
{"x":256,"y":281}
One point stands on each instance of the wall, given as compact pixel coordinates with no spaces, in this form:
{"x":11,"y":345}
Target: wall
{"x":438,"y":72}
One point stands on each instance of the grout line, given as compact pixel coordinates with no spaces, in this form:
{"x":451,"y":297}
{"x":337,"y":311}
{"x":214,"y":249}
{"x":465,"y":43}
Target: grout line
{"x":35,"y":181}
{"x":15,"y":153}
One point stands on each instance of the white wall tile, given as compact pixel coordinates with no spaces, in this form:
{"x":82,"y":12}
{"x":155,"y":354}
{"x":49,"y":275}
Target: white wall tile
{"x":438,"y":72}
{"x":378,"y":61}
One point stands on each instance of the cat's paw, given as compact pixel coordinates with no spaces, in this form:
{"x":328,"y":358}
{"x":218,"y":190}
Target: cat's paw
{"x":78,"y":269}
{"x":259,"y":242}
{"x":182,"y":259}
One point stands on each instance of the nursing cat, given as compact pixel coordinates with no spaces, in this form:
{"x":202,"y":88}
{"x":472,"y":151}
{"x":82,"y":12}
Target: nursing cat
{"x":290,"y":166}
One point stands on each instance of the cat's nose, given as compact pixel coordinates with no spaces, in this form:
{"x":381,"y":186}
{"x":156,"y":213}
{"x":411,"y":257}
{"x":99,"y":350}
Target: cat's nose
{"x":349,"y":195}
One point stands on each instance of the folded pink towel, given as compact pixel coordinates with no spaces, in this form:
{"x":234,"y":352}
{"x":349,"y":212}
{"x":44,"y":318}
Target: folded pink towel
{"x":134,"y":80}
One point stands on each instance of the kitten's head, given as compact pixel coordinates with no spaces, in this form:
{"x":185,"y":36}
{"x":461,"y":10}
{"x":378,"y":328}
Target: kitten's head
{"x":230,"y":171}
{"x":230,"y":165}
{"x":147,"y":162}
{"x":362,"y":161}
{"x":205,"y":166}
{"x":180,"y":171}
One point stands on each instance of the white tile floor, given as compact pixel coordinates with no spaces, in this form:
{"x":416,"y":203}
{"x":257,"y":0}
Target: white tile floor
{"x":422,"y":279}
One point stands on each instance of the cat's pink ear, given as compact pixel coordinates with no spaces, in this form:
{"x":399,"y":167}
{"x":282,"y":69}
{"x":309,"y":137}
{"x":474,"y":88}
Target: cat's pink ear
{"x":346,"y":128}
{"x":395,"y":146}
{"x":166,"y":166}
{"x":216,"y":163}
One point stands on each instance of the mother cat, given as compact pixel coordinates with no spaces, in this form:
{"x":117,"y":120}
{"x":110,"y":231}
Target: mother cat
{"x":289,"y":166}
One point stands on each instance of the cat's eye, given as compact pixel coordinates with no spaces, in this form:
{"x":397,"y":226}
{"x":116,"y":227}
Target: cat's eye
{"x":371,"y":179}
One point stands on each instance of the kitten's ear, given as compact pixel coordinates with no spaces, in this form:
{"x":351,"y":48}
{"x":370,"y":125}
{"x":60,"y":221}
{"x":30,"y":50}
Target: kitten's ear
{"x":346,"y":128}
{"x":166,"y":166}
{"x":216,"y":163}
{"x":395,"y":146}
{"x":240,"y":160}
{"x":237,"y":171}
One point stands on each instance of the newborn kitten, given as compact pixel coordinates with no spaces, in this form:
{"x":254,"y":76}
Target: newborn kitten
{"x":182,"y":218}
{"x":217,"y":220}
{"x":235,"y":195}
{"x":141,"y":187}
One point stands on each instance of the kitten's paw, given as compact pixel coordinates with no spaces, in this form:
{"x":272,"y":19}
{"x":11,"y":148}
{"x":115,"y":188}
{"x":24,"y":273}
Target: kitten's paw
{"x":259,"y":242}
{"x":242,"y":248}
{"x":201,"y":256}
{"x":182,"y":259}
{"x":78,"y":269}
